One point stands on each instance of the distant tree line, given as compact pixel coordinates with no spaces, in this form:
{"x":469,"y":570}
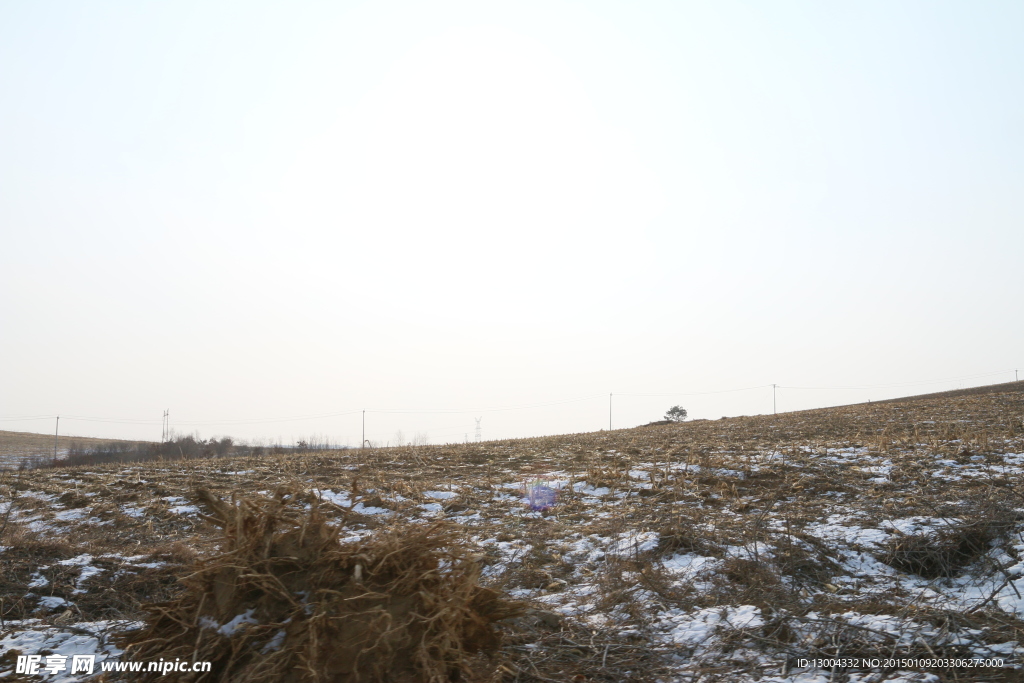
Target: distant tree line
{"x":179,"y":448}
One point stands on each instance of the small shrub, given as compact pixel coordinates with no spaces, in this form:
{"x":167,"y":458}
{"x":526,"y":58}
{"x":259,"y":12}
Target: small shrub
{"x":949,"y":550}
{"x":286,"y":600}
{"x":675,"y":414}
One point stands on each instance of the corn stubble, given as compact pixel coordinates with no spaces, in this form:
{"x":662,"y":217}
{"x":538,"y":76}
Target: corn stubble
{"x":412,"y":591}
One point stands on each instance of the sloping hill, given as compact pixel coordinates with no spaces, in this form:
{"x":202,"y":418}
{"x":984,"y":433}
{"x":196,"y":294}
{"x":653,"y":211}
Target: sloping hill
{"x":973,"y":391}
{"x":18,"y":447}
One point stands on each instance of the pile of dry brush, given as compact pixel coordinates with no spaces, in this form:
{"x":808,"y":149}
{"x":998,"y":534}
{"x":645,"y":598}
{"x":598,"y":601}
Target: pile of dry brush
{"x":287,"y":600}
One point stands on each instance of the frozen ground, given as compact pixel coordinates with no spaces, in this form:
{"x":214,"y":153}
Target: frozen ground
{"x":725,"y":550}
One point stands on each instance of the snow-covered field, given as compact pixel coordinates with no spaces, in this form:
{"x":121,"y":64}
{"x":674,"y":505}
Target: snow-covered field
{"x":718,"y":550}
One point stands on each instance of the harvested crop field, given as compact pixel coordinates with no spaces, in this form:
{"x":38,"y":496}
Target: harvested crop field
{"x":28,"y":449}
{"x":714,"y":550}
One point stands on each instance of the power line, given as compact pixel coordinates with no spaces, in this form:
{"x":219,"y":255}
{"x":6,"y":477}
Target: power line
{"x":703,"y":393}
{"x":165,"y":420}
{"x":240,"y":421}
{"x":900,"y":384}
{"x":439,"y":411}
{"x":190,"y":423}
{"x":869,"y":386}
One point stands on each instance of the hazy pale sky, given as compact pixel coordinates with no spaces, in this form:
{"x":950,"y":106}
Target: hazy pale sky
{"x":247,"y":212}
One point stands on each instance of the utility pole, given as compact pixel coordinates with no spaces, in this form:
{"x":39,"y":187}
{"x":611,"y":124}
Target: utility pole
{"x":56,"y":429}
{"x":609,"y":412}
{"x":774,"y":411}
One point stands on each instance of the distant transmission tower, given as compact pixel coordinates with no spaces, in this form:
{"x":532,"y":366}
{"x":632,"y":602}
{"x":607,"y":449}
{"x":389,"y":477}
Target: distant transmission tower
{"x":165,"y":427}
{"x":477,"y":436}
